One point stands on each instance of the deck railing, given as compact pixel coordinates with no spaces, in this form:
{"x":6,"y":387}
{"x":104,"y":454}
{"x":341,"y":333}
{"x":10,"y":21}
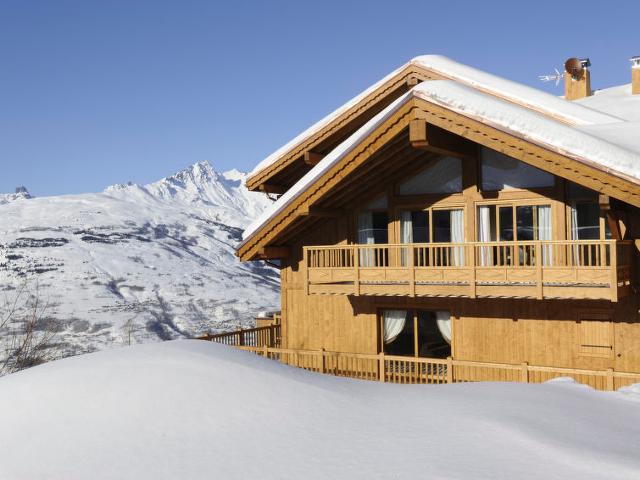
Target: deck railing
{"x":268,"y":336}
{"x":417,"y":370}
{"x":535,"y":269}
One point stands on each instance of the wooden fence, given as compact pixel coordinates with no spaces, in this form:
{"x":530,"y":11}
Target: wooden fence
{"x":267,"y":336}
{"x":412,"y":370}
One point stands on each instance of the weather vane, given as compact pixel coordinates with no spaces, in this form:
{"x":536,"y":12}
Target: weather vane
{"x":552,"y":78}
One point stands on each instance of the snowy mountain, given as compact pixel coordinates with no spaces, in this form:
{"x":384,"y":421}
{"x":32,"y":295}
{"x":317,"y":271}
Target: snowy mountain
{"x":137,"y":263}
{"x":21,"y":193}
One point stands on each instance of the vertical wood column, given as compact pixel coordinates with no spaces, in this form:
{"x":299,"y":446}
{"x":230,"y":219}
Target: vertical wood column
{"x":614,"y":270}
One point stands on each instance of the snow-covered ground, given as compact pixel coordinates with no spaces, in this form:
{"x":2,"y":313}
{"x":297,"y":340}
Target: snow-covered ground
{"x":190,"y":409}
{"x":137,"y":263}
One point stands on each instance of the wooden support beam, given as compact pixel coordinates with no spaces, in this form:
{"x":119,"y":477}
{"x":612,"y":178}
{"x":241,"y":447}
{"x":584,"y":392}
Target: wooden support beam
{"x":269,"y":188}
{"x":412,"y":81}
{"x":311,"y":211}
{"x":424,"y":136}
{"x":267,"y":253}
{"x":312,"y":158}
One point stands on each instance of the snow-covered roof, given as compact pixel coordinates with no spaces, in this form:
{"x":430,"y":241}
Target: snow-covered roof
{"x":594,"y":138}
{"x":529,"y":97}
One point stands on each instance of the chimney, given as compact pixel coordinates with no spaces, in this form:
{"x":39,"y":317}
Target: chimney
{"x":577,"y":78}
{"x":635,"y":75}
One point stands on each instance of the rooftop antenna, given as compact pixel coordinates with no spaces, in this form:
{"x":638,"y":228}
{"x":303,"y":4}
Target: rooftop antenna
{"x":551,"y":78}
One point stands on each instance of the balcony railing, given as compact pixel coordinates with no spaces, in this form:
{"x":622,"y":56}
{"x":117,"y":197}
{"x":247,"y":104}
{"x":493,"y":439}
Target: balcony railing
{"x":583,"y":269}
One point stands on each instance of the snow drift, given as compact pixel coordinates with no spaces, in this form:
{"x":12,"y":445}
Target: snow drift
{"x":193,"y":409}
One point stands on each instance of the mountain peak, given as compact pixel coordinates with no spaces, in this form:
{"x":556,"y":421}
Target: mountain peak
{"x":21,"y":193}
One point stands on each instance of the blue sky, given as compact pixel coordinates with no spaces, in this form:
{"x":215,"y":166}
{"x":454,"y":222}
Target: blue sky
{"x":100,"y":92}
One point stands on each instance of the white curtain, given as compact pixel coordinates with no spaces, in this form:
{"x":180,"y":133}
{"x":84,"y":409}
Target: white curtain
{"x":544,"y":233}
{"x":365,"y":237}
{"x":457,"y":236}
{"x":484,"y":234}
{"x":406,"y":235}
{"x":394,"y":321}
{"x":443,"y":321}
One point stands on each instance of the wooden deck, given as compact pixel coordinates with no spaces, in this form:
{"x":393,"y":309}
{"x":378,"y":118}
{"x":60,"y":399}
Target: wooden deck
{"x":586,"y":269}
{"x":415,"y":370}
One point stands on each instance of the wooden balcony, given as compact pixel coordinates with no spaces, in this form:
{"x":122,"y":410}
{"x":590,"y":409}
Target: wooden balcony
{"x":584,"y":269}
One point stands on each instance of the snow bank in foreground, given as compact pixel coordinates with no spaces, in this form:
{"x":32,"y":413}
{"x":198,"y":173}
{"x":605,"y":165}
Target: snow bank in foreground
{"x":192,"y":409}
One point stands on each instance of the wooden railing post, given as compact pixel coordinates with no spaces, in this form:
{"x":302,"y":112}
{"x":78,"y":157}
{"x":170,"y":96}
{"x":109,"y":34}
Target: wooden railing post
{"x":356,"y":270}
{"x":322,"y":365}
{"x":614,"y":270}
{"x":449,"y":370}
{"x":412,"y":264}
{"x":472,"y":264}
{"x":240,"y":338}
{"x":539,"y":270}
{"x":305,"y":263}
{"x":381,"y":367}
{"x":610,"y":380}
{"x":524,"y":375}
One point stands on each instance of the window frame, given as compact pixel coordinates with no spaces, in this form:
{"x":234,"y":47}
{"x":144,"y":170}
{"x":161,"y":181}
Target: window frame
{"x":514,"y":204}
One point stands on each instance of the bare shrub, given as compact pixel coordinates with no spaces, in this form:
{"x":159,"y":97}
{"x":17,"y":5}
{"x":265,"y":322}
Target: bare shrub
{"x":26,"y":334}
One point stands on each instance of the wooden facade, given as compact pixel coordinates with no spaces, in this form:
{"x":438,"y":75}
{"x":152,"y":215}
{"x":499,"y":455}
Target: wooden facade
{"x":560,"y":301}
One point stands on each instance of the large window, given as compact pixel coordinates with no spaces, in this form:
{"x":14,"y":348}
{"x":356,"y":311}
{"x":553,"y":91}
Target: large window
{"x":508,"y":223}
{"x":500,"y":172}
{"x":443,"y":176}
{"x":433,"y":225}
{"x":416,"y":333}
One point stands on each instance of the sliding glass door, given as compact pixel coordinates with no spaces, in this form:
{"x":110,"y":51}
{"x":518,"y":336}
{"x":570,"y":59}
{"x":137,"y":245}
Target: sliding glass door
{"x":509,"y":223}
{"x":433,"y":226}
{"x":416,"y":333}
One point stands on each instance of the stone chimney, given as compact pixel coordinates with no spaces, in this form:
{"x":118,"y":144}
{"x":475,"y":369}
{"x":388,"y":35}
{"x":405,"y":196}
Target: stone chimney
{"x":577,"y":78}
{"x":635,"y":75}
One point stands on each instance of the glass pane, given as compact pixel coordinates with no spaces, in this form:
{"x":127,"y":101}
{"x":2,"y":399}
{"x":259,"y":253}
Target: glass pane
{"x":432,"y":329}
{"x":398,"y":336}
{"x":500,"y":172}
{"x":444,"y":176}
{"x":441,"y":225}
{"x":587,"y":221}
{"x":506,"y":224}
{"x":420,"y":226}
{"x":524,"y":222}
{"x":380,"y":223}
{"x":578,"y":192}
{"x":379,"y":203}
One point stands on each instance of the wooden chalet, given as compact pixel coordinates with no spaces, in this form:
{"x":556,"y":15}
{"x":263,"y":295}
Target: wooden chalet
{"x":448,"y":221}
